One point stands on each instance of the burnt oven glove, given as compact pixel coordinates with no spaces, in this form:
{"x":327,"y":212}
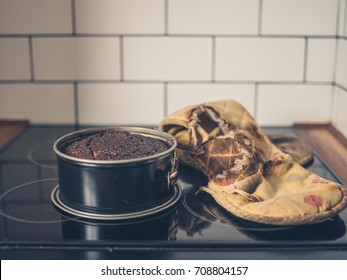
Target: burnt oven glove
{"x":297,"y":148}
{"x":248,"y":175}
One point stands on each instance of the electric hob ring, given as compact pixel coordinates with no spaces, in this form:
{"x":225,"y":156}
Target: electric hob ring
{"x":30,"y":203}
{"x":58,"y":203}
{"x":42,"y":155}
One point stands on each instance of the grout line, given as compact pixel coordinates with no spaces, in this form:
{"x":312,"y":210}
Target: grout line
{"x":260,"y":17}
{"x":121,"y":58}
{"x":335,"y":63}
{"x":76,"y":111}
{"x":31,"y":59}
{"x":165,"y":100}
{"x":230,"y":82}
{"x":334,"y":74}
{"x":341,"y":87}
{"x":73,"y":17}
{"x":166,"y":17}
{"x":337,"y":27}
{"x":213,"y":60}
{"x":250,"y":82}
{"x":112,"y":35}
{"x":305,"y":60}
{"x":256,"y":97}
{"x":345,"y":21}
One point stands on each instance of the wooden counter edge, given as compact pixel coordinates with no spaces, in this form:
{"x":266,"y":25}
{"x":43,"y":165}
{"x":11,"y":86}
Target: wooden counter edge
{"x":9,"y":130}
{"x":330,"y":144}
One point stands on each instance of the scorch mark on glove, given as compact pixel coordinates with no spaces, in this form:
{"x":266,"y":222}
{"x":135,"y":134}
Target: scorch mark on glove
{"x":313,"y":200}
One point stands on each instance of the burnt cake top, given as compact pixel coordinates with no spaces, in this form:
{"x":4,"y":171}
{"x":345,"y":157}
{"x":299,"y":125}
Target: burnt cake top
{"x":115,"y":145}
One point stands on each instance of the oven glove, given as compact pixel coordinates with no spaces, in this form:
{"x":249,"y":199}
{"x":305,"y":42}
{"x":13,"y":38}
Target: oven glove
{"x":297,"y":148}
{"x":248,"y":175}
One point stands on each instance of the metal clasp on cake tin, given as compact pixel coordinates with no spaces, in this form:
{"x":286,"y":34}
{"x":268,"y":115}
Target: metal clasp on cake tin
{"x":173,"y":174}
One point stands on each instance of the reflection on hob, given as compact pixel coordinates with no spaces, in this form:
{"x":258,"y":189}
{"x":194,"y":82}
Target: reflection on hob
{"x":31,"y":203}
{"x":200,"y":211}
{"x":159,"y":227}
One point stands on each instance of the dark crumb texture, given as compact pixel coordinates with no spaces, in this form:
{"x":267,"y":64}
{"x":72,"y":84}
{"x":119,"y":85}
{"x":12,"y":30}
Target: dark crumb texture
{"x":115,"y":145}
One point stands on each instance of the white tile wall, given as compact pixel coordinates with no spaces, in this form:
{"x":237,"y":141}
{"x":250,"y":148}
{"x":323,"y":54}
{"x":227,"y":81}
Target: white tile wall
{"x":341,"y":74}
{"x":120,"y":16}
{"x":287,"y":104}
{"x":299,"y":17}
{"x":132,"y":61}
{"x":342,"y":19}
{"x":320,"y":59}
{"x":35,"y":16}
{"x":340,"y":112}
{"x":213,"y":16}
{"x":259,"y":59}
{"x":41,"y":103}
{"x":182,"y":95}
{"x":167,"y":58}
{"x":14,"y":59}
{"x":339,"y":117}
{"x":76,"y":58}
{"x":120,"y":104}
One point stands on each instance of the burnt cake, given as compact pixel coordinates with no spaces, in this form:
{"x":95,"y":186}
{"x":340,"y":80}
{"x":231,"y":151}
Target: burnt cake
{"x":115,"y":145}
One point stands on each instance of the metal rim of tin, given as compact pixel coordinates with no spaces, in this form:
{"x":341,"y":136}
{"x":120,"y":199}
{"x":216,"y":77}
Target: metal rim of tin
{"x":147,"y":132}
{"x":116,"y":217}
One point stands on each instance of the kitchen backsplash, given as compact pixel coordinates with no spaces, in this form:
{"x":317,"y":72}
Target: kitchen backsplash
{"x":131,"y":62}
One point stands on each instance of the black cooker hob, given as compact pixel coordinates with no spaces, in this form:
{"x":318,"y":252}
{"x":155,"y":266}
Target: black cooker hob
{"x":32,"y":227}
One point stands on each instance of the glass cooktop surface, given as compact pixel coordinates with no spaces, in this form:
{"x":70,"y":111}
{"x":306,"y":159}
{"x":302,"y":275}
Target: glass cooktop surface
{"x":29,"y":220}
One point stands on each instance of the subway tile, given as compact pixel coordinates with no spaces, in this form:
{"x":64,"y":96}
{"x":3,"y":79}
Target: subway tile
{"x":320,"y":59}
{"x":14,"y":59}
{"x":213,"y":16}
{"x":299,"y":17}
{"x":182,"y":95}
{"x":167,"y":58}
{"x":288,"y":104}
{"x":39,"y":103}
{"x":76,"y":58}
{"x":340,"y":112}
{"x":259,"y":59}
{"x":120,"y":16}
{"x":35,"y":16}
{"x":341,"y":69}
{"x":120,"y":104}
{"x":342,"y":18}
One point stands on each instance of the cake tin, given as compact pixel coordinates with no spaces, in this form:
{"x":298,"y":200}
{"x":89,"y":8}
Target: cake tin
{"x":116,"y":189}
